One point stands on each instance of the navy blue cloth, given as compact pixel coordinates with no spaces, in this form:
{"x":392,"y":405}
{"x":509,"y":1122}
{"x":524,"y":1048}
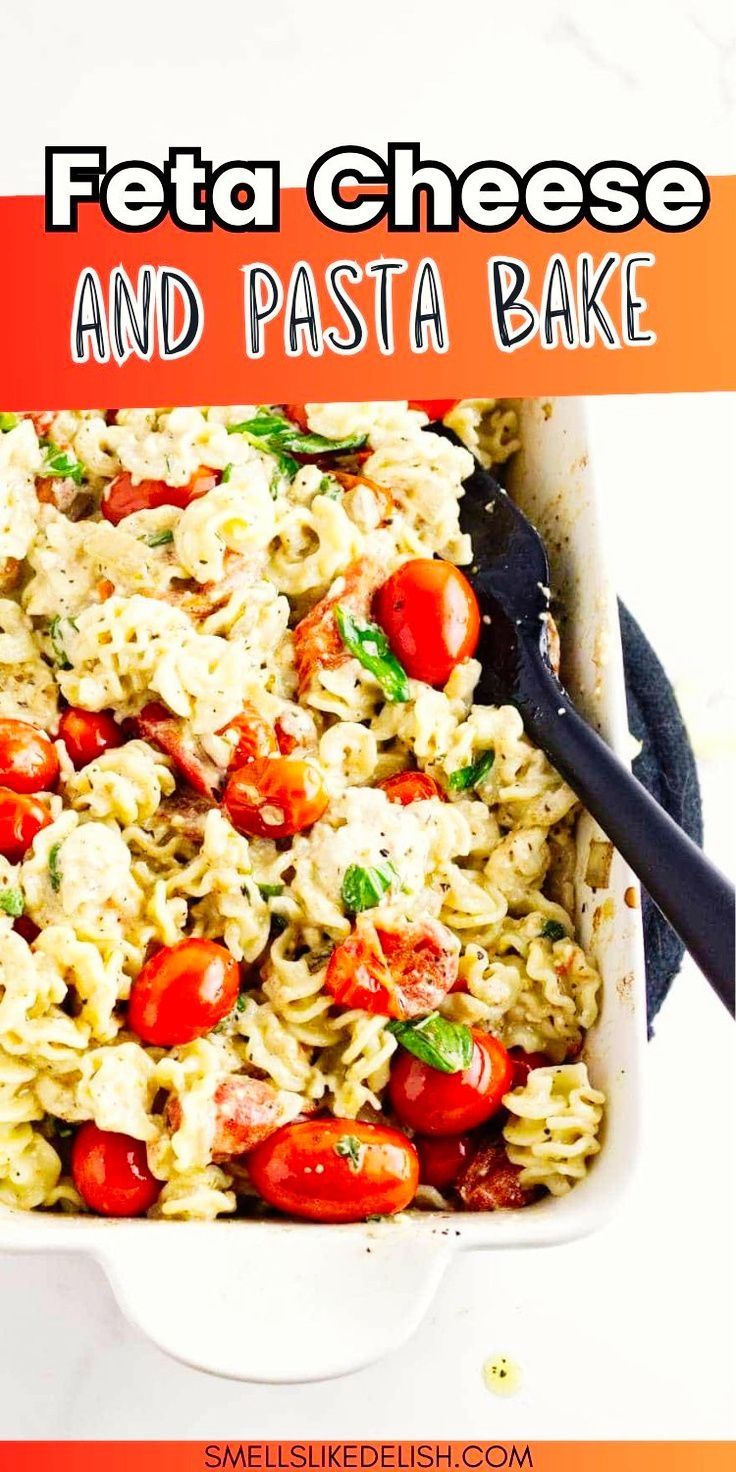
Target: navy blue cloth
{"x":666,"y":767}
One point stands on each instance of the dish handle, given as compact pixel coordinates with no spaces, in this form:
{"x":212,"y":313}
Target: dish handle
{"x":276,"y":1303}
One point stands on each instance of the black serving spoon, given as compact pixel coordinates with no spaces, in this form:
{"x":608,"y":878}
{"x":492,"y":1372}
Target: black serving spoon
{"x":510,"y":575}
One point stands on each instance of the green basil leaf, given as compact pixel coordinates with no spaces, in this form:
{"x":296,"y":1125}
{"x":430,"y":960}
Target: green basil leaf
{"x":262,"y":425}
{"x":11,"y":902}
{"x":55,"y":871}
{"x":446,"y":1046}
{"x":467,"y":777}
{"x":302,"y":442}
{"x":364,"y":888}
{"x":552,"y":930}
{"x":240,"y":1005}
{"x":8,"y":422}
{"x":351,"y":1149}
{"x":267,"y":890}
{"x":57,"y":640}
{"x":226,"y":474}
{"x":159,"y":539}
{"x":369,"y":645}
{"x":328,"y":486}
{"x":62,"y":464}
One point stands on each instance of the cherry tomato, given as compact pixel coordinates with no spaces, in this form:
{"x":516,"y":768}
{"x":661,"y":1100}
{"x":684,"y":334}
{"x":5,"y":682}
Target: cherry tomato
{"x":297,"y":413}
{"x":408,"y":787}
{"x":110,"y":1172}
{"x":335,"y":1170}
{"x":122,"y":497}
{"x":28,"y":760}
{"x":523,"y":1064}
{"x":27,"y":927}
{"x":404,"y":971}
{"x":274,"y":797}
{"x":87,"y":733}
{"x":433,"y":408}
{"x":21,"y":818}
{"x":159,"y":727}
{"x":183,"y":992}
{"x":435,"y":1103}
{"x":441,"y":1159}
{"x":255,"y":737}
{"x":430,"y":616}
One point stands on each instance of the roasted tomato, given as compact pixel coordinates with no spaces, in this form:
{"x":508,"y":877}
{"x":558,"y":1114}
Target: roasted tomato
{"x":110,"y":1172}
{"x":28,"y":760}
{"x":442,"y":1158}
{"x":434,"y":1103}
{"x":297,"y":413}
{"x":489,"y":1182}
{"x":87,"y":733}
{"x":434,"y":408}
{"x":430,"y":616}
{"x":408,"y":787}
{"x":254,"y":737}
{"x":336,"y":1170}
{"x":401,"y":972}
{"x":317,"y":642}
{"x":122,"y":497}
{"x":158,"y":726}
{"x":275,"y":797}
{"x":246,"y":1111}
{"x":523,"y":1064}
{"x":361,"y":489}
{"x":183,"y":992}
{"x":21,"y":818}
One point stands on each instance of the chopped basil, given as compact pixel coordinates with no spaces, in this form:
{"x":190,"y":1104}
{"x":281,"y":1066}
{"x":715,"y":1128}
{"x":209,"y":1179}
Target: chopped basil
{"x":301,"y":442}
{"x":8,"y":422}
{"x":11,"y":902}
{"x":552,"y":930}
{"x":226,"y":474}
{"x":267,"y":890}
{"x":446,"y":1046}
{"x":60,"y":463}
{"x":159,"y":539}
{"x":273,"y":434}
{"x":317,"y":959}
{"x":472,"y":776}
{"x":330,"y":487}
{"x":371,"y":647}
{"x":240,"y":1005}
{"x":364,"y":888}
{"x":350,"y":1148}
{"x":55,"y":872}
{"x":57,"y":640}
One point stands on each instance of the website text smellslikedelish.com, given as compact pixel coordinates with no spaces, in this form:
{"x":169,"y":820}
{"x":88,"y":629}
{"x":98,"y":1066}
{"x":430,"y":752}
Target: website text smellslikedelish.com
{"x":353,"y":1456}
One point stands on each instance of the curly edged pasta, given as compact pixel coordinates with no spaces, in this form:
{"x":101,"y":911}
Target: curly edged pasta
{"x":229,"y":921}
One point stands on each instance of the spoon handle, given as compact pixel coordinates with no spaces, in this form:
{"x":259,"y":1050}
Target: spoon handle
{"x":692,"y":894}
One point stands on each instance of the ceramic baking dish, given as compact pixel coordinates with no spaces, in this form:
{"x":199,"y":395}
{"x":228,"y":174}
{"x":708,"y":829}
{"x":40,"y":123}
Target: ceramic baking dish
{"x":322,"y":1302}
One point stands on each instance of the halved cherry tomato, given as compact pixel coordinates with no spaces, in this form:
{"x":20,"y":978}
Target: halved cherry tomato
{"x":122,"y":497}
{"x":401,"y":972}
{"x":274,"y":797}
{"x":87,"y":733}
{"x":441,"y":1159}
{"x":246,"y":1111}
{"x":156,"y":724}
{"x":28,"y":760}
{"x":435,"y":1103}
{"x":297,"y":413}
{"x":408,"y":787}
{"x":523,"y":1064}
{"x":255,"y":737}
{"x":21,"y":818}
{"x":183,"y":992}
{"x":336,"y":1170}
{"x":430,"y":616}
{"x":110,"y":1172}
{"x":434,"y":408}
{"x":317,"y":642}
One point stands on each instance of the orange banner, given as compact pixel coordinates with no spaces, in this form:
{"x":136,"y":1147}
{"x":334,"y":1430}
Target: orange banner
{"x":364,"y":1456}
{"x":173,"y":317}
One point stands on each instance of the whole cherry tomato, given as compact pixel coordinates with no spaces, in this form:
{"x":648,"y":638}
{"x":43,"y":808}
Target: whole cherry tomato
{"x":441,"y":1159}
{"x":435,"y":1103}
{"x":255,"y":737}
{"x":122,"y":497}
{"x":274,"y":797}
{"x":335,"y":1170}
{"x":111,"y":1174}
{"x":21,"y":818}
{"x":401,"y":971}
{"x":433,"y":408}
{"x":87,"y":733}
{"x":408,"y":787}
{"x":28,"y":760}
{"x":183,"y":992}
{"x":430,"y":616}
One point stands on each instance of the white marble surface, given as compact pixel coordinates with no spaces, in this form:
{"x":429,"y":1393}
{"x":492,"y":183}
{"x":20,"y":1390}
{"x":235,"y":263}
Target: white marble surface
{"x":630,"y":1333}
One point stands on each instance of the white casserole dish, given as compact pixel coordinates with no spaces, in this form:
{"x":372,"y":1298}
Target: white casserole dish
{"x":326,"y":1299}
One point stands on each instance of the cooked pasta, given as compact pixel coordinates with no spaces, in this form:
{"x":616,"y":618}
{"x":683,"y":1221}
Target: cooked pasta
{"x":188,"y":617}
